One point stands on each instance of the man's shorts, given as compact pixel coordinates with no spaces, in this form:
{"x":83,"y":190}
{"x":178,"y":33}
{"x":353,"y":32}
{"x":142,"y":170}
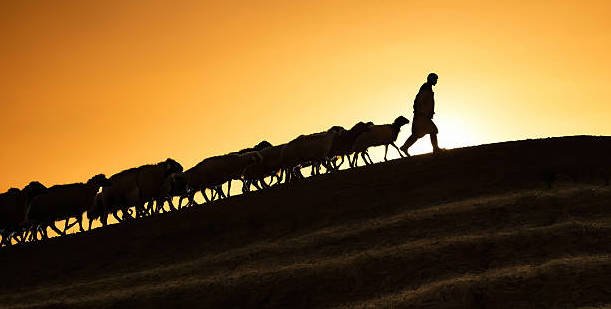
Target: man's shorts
{"x":423,"y":126}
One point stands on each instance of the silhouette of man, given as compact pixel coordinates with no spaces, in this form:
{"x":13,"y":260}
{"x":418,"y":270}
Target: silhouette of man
{"x":424,"y":108}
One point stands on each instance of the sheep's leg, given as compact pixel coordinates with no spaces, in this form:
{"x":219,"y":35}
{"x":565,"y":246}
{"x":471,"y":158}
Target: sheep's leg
{"x":398,"y":150}
{"x":355,"y":159}
{"x":148,"y":208}
{"x":364,"y":158}
{"x":279,"y":177}
{"x":213,"y":194}
{"x":138,"y":212}
{"x":43,"y":232}
{"x":16,"y":237}
{"x":220,"y":192}
{"x":75,"y":222}
{"x":245,"y":186}
{"x":158,"y":205}
{"x":253,"y":183}
{"x":116,"y":215}
{"x":298,"y":173}
{"x":123,"y":215}
{"x":6,"y":241}
{"x":142,"y":210}
{"x":24,"y":236}
{"x":55,"y":229}
{"x":90,"y":222}
{"x":368,"y":157}
{"x":27,"y":235}
{"x":145,"y":209}
{"x":228,"y":188}
{"x":80,"y":224}
{"x":31,"y":235}
{"x":171,"y":206}
{"x":327,"y":165}
{"x":340,"y":163}
{"x":33,"y":231}
{"x":67,"y":225}
{"x":352,"y":162}
{"x":263,"y":184}
{"x":203,"y":191}
{"x":385,"y":152}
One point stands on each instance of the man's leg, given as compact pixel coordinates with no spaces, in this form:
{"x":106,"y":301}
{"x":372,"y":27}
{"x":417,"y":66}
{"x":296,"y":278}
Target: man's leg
{"x":408,"y":143}
{"x":434,"y":143}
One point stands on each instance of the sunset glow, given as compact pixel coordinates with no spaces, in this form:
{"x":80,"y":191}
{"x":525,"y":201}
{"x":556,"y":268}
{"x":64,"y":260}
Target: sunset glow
{"x":100,"y":86}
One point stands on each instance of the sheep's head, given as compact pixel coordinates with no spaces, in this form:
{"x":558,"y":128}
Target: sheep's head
{"x":34,"y":188}
{"x":262,"y":145}
{"x":360,"y":127}
{"x":97,"y":208}
{"x":252,"y":157}
{"x":336,"y":129}
{"x":175,"y":185}
{"x":172,"y":166}
{"x":99,"y":180}
{"x":13,"y":191}
{"x":400,"y":121}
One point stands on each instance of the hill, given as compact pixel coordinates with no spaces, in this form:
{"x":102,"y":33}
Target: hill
{"x":510,"y":225}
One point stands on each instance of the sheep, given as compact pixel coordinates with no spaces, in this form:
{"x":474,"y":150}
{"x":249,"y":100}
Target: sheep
{"x":13,"y":205}
{"x":258,"y":147}
{"x":151,"y":179}
{"x":343,"y":143}
{"x":270,"y":165}
{"x":8,"y":201}
{"x":120,"y":195}
{"x":62,"y":202}
{"x":97,"y":210}
{"x":213,"y":172}
{"x":133,"y":187}
{"x":377,"y":135}
{"x":174,"y":185}
{"x":312,"y":149}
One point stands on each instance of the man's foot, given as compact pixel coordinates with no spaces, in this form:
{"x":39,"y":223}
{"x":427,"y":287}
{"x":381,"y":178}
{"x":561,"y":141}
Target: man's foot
{"x":438,"y":150}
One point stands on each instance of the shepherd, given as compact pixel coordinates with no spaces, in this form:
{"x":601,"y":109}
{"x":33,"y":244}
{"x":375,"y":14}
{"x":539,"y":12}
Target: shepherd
{"x":424,"y":108}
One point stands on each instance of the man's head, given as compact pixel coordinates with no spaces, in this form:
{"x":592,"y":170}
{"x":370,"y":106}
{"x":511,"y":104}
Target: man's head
{"x":432,"y":79}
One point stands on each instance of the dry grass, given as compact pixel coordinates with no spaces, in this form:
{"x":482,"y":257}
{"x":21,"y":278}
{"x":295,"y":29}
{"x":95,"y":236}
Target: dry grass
{"x":363,"y":238}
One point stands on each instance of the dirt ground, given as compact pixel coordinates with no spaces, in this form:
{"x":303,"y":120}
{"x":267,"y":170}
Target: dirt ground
{"x":522,"y":224}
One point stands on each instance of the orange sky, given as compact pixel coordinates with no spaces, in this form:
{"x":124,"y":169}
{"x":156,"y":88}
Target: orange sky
{"x":100,"y":86}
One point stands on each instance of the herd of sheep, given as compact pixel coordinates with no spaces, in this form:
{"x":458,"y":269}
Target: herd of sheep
{"x":26,"y":214}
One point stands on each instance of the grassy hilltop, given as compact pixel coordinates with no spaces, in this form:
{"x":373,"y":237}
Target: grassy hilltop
{"x":523,"y":224}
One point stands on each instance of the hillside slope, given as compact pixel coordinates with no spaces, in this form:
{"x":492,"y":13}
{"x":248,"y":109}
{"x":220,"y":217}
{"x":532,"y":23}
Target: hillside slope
{"x":476,"y":227}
